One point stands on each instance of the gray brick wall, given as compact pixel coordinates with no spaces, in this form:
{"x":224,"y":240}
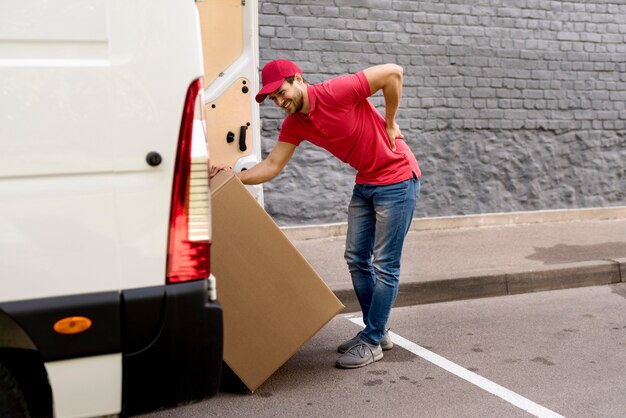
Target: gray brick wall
{"x":509,"y":105}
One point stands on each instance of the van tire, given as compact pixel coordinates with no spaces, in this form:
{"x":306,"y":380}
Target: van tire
{"x":12,"y":403}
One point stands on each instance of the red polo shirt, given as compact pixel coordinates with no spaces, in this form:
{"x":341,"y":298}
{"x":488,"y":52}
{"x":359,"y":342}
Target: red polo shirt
{"x":344,"y":122}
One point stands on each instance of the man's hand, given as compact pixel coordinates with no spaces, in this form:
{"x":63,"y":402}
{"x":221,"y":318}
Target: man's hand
{"x":393,"y":132}
{"x":217,"y":168}
{"x":388,"y":77}
{"x":266,"y":169}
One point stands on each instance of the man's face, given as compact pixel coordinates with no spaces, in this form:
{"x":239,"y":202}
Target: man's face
{"x":289,"y":96}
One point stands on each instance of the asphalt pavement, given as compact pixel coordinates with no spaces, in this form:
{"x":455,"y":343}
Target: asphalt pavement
{"x":452,"y":259}
{"x":511,"y":356}
{"x":558,"y":350}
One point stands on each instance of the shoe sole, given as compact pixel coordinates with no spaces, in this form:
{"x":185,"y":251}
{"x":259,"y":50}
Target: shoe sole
{"x":385,"y":348}
{"x":356,"y":366}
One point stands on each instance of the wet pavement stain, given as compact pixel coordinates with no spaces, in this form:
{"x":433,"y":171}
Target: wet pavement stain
{"x":477,"y":350}
{"x":265,"y":394}
{"x":374,"y":382}
{"x":588,"y":316}
{"x":473,"y":369}
{"x":511,"y":360}
{"x":563,"y":253}
{"x":404,"y":378}
{"x":544,"y":361}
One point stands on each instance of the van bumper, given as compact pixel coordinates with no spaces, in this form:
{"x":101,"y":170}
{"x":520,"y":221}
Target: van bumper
{"x":173,"y":345}
{"x":170,"y":337}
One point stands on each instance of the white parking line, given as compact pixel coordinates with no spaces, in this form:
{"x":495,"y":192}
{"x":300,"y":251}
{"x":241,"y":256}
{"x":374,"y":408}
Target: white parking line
{"x":485,"y":384}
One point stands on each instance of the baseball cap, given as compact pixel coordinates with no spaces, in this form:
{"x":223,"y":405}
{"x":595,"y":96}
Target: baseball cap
{"x":273,"y":76}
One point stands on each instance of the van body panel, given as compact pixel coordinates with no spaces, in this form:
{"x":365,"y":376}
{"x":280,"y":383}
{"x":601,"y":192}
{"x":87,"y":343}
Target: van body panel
{"x":75,"y":135}
{"x":76,"y":115}
{"x":89,"y":88}
{"x":74,"y":384}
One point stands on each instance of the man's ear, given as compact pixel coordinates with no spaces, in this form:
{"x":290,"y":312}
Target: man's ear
{"x":298,"y":77}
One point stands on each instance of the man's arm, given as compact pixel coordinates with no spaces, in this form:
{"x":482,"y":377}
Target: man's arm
{"x":388,"y":77}
{"x":269,"y":167}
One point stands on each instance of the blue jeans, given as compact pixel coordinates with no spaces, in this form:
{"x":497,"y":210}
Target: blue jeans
{"x":378,"y":220}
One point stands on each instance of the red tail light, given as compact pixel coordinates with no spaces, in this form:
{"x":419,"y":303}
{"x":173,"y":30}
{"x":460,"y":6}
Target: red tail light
{"x":190,"y":218}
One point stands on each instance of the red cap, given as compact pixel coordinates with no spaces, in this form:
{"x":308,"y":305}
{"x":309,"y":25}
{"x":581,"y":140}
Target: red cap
{"x":273,"y":76}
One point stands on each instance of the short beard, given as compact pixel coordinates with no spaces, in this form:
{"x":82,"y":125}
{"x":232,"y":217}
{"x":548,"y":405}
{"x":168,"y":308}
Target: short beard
{"x":297,"y":102}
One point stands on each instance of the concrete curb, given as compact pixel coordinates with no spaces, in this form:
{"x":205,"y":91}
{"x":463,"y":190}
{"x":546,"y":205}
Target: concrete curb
{"x":622,"y":267}
{"x":468,"y":221}
{"x":562,"y":276}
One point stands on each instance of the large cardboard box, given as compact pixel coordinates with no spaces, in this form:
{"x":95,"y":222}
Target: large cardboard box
{"x":273,"y":301}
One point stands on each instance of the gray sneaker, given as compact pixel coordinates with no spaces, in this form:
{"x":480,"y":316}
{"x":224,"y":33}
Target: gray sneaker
{"x":360,"y":355}
{"x":385,"y":343}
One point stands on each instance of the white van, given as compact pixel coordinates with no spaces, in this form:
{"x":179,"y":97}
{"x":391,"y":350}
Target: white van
{"x":106,"y":303}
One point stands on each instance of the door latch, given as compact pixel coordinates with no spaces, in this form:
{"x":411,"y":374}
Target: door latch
{"x":242,"y":138}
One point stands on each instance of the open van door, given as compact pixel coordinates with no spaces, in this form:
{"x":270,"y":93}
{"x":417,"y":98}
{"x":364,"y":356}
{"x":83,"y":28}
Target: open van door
{"x":231,"y":59}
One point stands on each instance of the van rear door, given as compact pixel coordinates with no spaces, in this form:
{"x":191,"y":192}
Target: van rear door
{"x":231,"y":61}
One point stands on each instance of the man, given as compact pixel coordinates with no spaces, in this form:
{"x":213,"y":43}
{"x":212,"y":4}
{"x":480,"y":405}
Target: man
{"x":337,"y":116}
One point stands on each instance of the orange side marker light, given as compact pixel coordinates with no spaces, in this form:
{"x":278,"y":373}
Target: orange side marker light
{"x":72,"y":325}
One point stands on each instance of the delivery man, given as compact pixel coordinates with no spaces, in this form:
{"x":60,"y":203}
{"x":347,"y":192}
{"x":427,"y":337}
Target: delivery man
{"x":337,"y":116}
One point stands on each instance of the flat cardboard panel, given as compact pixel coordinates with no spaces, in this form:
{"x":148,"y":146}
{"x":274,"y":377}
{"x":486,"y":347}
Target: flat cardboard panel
{"x":273,"y":301}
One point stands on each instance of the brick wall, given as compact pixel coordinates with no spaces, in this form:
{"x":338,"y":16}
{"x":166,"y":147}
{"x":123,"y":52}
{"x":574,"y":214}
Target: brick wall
{"x":508,"y":105}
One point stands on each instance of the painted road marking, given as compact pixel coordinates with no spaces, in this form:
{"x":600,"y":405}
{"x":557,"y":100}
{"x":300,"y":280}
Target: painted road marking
{"x":483,"y":383}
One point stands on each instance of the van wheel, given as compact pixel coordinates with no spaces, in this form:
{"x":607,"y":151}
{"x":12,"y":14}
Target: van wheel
{"x":12,"y":402}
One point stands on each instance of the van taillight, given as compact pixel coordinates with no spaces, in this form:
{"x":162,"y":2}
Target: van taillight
{"x":190,"y":218}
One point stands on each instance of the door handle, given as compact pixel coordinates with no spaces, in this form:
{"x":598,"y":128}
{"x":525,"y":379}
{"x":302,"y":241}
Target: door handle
{"x":242,"y":138}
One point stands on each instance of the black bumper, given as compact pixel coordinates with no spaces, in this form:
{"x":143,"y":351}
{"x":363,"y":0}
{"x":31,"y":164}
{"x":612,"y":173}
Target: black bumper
{"x":171,"y":338}
{"x":184,"y":359}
